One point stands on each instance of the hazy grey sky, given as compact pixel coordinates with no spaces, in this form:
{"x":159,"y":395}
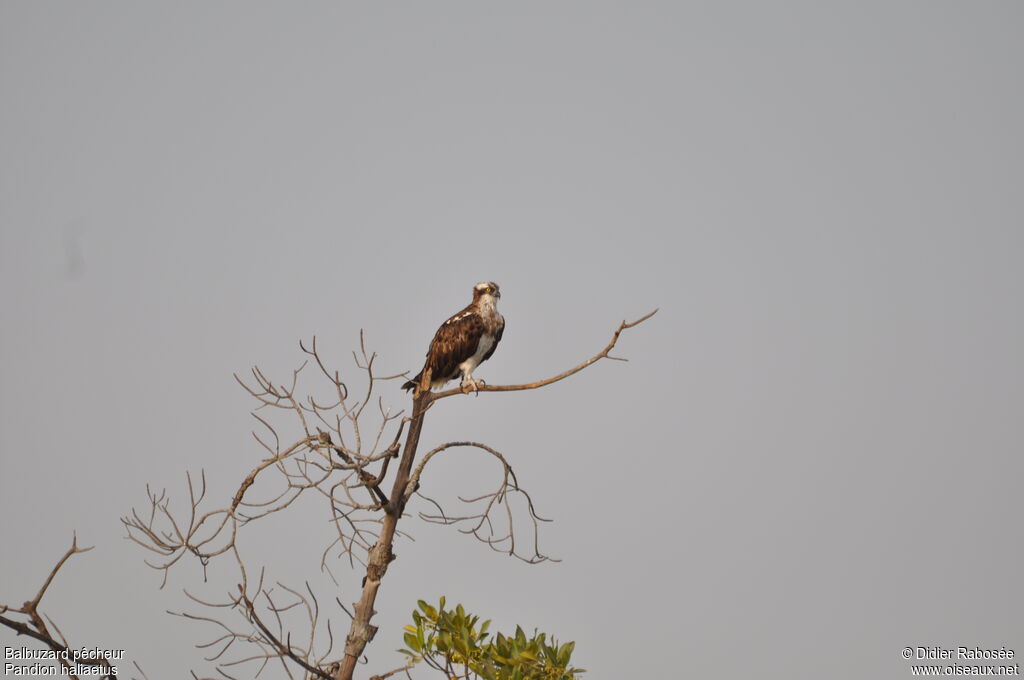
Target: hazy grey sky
{"x":813,"y":458}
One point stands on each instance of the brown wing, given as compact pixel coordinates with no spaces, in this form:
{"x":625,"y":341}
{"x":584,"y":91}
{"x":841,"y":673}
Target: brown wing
{"x":455,"y":341}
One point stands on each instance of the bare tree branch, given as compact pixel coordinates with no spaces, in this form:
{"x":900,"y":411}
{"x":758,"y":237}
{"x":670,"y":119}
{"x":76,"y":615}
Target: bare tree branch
{"x":394,"y":671}
{"x":35,"y":627}
{"x":603,"y":354}
{"x":482,"y":522}
{"x":330,"y":458}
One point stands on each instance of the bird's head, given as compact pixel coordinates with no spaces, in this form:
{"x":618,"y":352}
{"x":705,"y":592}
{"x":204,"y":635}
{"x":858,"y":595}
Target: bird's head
{"x":486,"y":289}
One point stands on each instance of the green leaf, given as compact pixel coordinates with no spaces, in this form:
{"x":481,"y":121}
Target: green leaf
{"x":564,"y":652}
{"x":428,"y":610}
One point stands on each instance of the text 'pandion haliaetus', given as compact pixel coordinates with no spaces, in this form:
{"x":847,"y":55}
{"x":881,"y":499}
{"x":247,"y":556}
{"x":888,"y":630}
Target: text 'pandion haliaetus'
{"x":464,"y":341}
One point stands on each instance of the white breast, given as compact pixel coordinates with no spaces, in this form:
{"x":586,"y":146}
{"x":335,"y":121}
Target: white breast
{"x":482,"y":348}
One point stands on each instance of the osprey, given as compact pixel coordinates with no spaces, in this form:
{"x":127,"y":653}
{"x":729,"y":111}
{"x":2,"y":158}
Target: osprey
{"x":464,"y":341}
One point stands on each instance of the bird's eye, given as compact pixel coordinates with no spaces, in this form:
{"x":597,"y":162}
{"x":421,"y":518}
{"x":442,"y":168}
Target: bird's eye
{"x":488,"y":289}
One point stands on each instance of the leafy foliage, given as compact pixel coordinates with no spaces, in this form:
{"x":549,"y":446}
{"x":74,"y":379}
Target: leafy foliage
{"x":456,"y":643}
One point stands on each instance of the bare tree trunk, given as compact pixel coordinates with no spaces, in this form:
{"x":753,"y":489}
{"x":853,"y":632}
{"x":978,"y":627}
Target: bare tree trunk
{"x":381,"y":556}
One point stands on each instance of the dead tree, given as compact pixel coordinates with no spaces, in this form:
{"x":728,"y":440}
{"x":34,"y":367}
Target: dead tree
{"x":336,"y":459}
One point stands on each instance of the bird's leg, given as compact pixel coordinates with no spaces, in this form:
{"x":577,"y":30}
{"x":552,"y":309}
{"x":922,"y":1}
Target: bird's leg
{"x":470,"y":384}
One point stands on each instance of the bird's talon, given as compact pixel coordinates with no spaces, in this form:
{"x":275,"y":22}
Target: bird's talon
{"x":472,"y":385}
